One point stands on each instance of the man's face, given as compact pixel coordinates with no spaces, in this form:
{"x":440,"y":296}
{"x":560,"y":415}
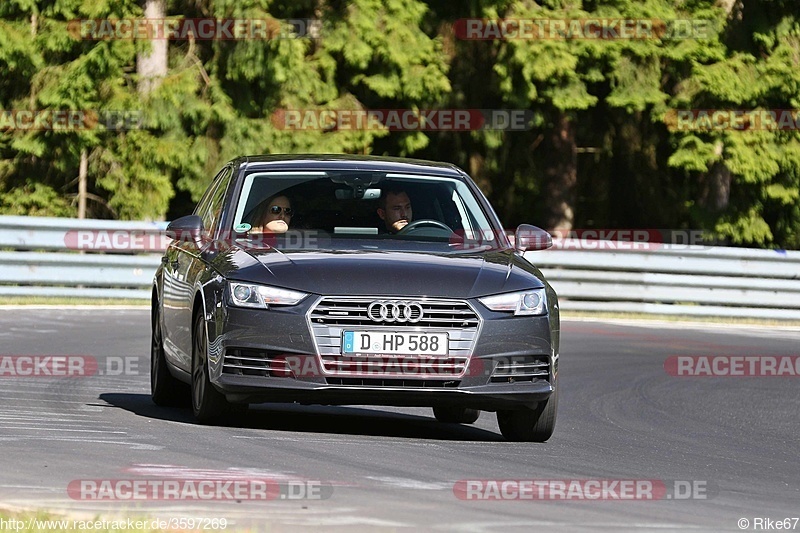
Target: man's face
{"x":397,"y":213}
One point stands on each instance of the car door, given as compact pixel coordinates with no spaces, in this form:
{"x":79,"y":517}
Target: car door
{"x":184,"y":263}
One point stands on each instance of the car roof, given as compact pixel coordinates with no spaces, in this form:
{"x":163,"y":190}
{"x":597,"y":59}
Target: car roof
{"x":349,"y":162}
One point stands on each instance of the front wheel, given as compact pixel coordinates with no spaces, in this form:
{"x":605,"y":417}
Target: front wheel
{"x":456,"y":415}
{"x":208,"y":404}
{"x":530,"y":425}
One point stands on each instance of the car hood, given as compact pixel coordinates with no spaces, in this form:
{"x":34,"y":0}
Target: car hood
{"x":385,"y":273}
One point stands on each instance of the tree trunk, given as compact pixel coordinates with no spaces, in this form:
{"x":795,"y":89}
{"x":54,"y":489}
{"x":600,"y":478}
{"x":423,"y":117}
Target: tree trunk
{"x":716,"y":185}
{"x":82,"y":171}
{"x":152,"y":66}
{"x":717,"y":188}
{"x":729,"y":5}
{"x":561,"y":174}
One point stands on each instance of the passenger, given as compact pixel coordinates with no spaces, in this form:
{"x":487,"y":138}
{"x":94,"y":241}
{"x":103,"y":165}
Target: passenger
{"x":273,"y":215}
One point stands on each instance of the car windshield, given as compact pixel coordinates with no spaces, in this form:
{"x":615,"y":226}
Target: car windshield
{"x":355,"y":210}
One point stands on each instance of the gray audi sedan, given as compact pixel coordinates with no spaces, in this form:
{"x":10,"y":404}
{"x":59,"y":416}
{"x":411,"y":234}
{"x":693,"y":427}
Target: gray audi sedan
{"x":335,"y":280}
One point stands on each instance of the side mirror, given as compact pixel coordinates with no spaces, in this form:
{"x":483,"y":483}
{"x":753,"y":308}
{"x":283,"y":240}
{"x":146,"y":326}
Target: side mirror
{"x":531,"y":238}
{"x":188,"y":228}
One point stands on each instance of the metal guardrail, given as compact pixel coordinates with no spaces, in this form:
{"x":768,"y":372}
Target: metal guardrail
{"x":40,"y":257}
{"x":676,"y":280}
{"x":66,"y":257}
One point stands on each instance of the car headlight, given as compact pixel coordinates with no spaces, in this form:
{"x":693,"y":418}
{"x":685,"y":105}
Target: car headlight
{"x":530,"y":302}
{"x":261,"y":296}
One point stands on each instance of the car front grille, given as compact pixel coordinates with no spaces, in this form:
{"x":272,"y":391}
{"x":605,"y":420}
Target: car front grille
{"x":521,"y":368}
{"x":331,"y":316}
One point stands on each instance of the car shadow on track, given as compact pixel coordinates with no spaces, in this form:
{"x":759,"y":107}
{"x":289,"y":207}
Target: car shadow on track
{"x":315,"y":419}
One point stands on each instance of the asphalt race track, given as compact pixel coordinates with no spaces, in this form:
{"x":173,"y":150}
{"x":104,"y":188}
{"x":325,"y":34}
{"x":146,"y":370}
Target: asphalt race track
{"x":717,"y":449}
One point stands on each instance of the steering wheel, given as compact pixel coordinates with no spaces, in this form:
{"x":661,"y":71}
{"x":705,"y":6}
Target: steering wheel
{"x":425,"y":222}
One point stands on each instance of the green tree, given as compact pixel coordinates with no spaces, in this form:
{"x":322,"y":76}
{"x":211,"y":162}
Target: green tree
{"x":600,"y":152}
{"x":748,"y":182}
{"x":215,"y":101}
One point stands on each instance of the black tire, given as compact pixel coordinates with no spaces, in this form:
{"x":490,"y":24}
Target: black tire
{"x":208,"y":404}
{"x":165,"y":389}
{"x":530,"y":425}
{"x":456,"y":415}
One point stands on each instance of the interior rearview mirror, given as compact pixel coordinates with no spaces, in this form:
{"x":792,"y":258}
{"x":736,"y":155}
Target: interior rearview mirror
{"x":358,"y":193}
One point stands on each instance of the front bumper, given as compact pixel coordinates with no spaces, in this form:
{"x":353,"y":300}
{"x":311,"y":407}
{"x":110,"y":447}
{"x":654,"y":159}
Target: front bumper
{"x":491,"y":397}
{"x":258,"y":356}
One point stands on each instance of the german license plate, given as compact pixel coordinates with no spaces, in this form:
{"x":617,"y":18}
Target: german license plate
{"x":393,"y":342}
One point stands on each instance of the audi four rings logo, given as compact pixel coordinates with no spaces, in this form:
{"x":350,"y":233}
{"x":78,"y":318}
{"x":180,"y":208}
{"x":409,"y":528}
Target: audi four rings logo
{"x":394,"y":311}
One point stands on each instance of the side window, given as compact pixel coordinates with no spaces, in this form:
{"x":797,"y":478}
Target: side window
{"x":202,"y":206}
{"x":218,"y":199}
{"x":210,"y":205}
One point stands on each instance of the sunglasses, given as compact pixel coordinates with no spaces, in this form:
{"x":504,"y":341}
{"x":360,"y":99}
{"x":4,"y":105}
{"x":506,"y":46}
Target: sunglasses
{"x":276,"y":210}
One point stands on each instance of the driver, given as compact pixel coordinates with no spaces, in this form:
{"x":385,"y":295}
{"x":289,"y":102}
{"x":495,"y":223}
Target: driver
{"x":395,"y":209}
